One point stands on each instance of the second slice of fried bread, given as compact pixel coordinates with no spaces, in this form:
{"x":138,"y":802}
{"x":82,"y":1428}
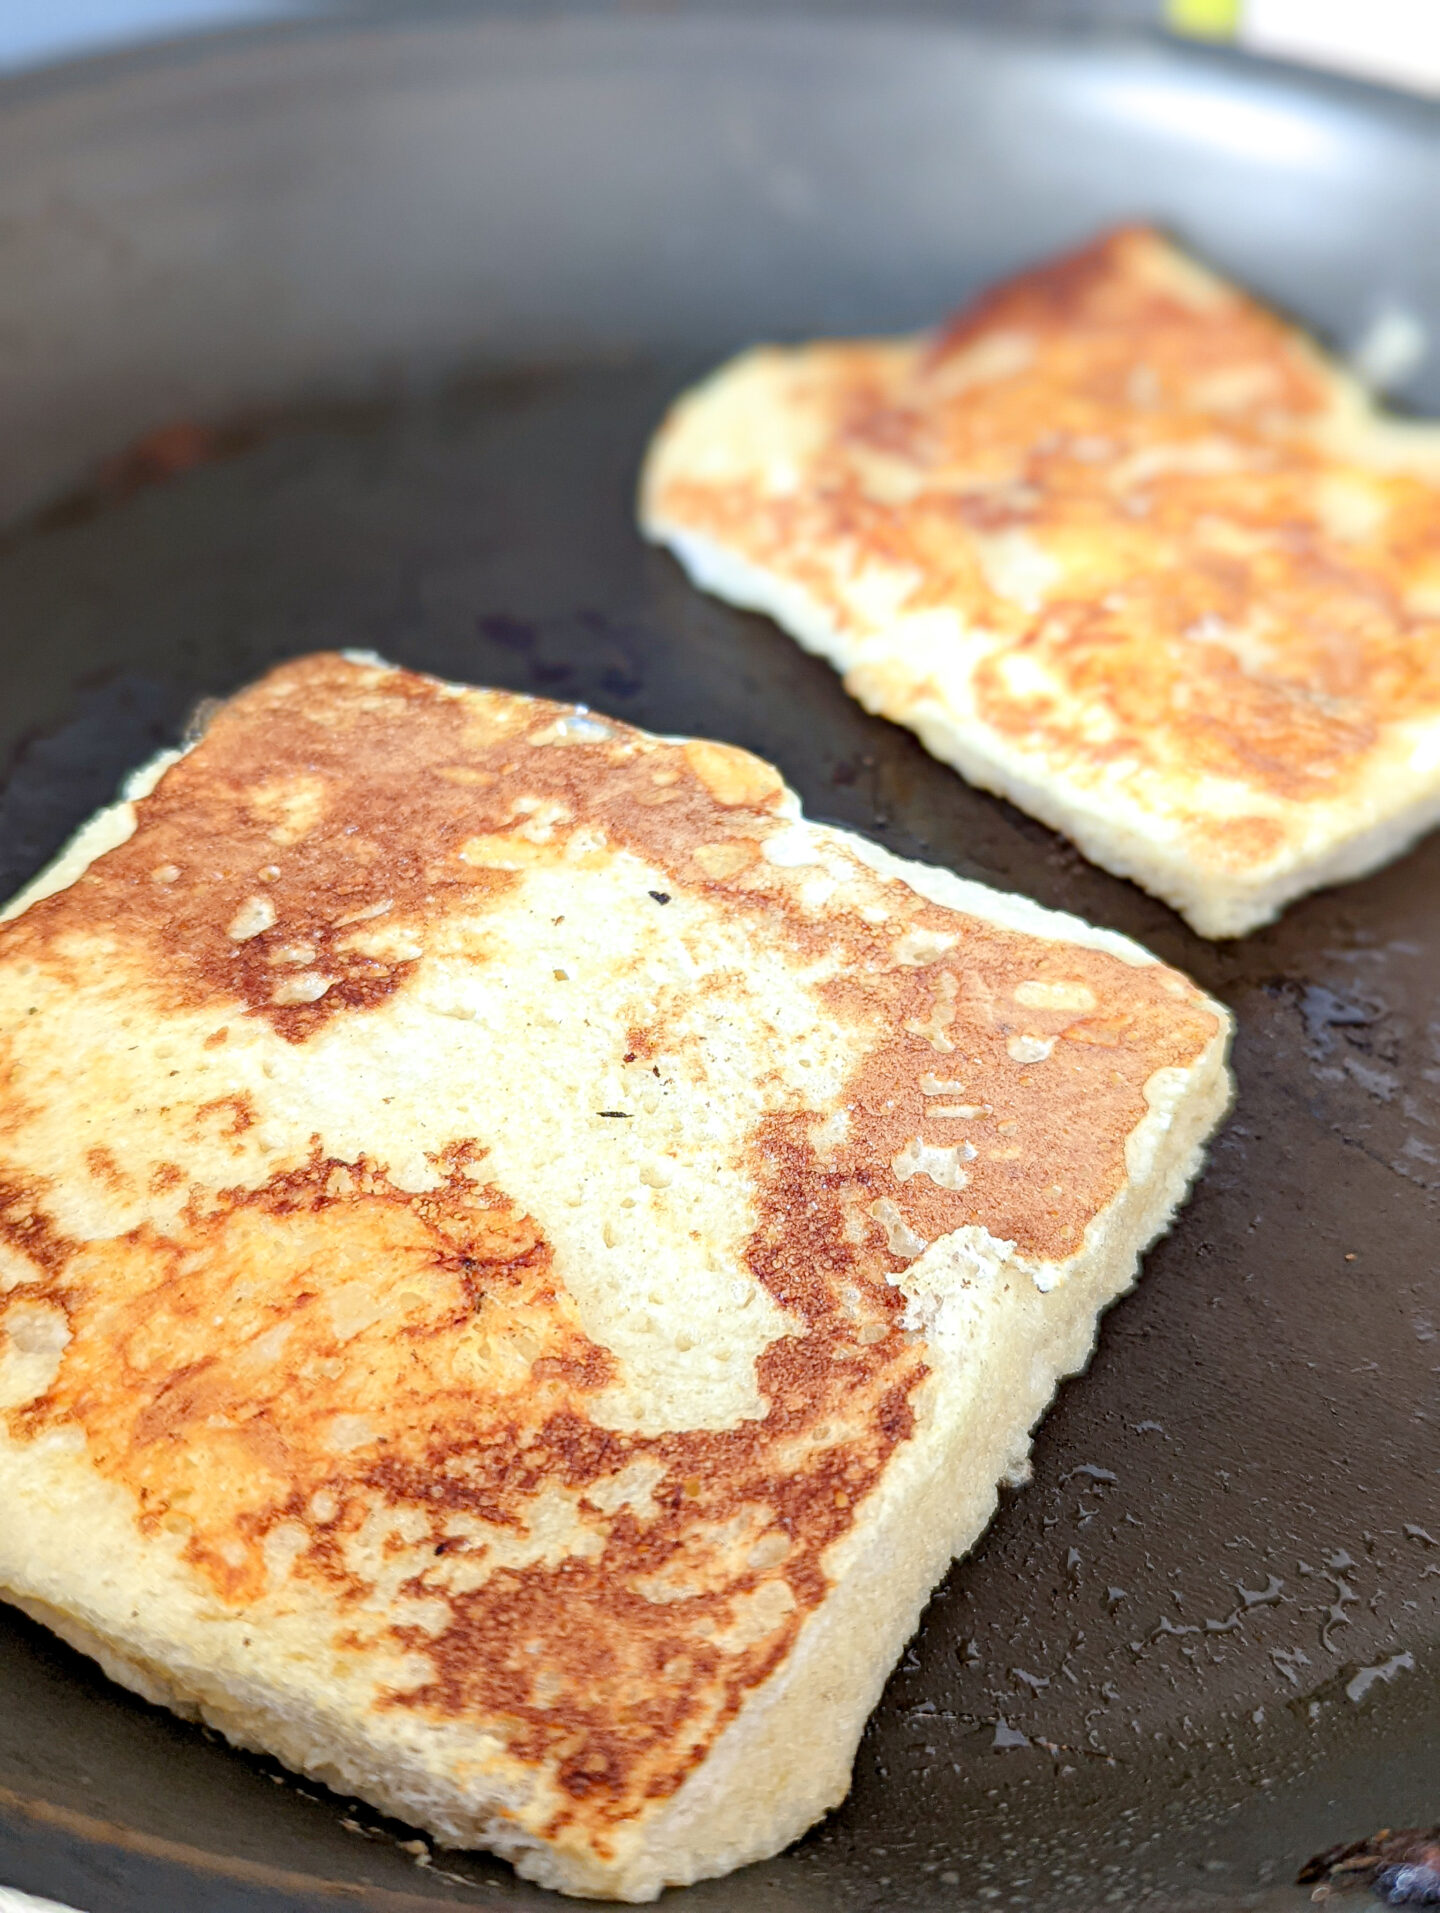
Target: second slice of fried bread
{"x":1118,"y":543}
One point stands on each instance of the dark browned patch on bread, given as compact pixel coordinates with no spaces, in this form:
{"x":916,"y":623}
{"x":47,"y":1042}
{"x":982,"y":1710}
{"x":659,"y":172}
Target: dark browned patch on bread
{"x":257,"y":875}
{"x":1040,"y":1143}
{"x":25,"y":1225}
{"x":336,"y":1295}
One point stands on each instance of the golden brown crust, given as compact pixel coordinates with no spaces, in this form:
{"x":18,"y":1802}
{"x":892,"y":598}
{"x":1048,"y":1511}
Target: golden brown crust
{"x":355,"y":1380}
{"x":1220,"y":593}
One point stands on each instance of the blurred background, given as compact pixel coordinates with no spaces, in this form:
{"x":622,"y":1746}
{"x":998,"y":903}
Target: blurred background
{"x":1397,"y":41}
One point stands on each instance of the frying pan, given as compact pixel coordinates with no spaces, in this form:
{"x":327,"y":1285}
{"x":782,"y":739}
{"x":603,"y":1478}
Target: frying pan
{"x":406,"y":301}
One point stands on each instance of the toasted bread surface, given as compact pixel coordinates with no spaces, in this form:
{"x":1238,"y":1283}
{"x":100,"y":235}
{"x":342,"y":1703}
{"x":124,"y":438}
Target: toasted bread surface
{"x":1117,"y":542}
{"x":504,"y":1230}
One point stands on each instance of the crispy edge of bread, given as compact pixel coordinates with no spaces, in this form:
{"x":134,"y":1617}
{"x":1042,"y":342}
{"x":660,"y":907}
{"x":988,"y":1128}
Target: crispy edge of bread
{"x":1002,"y":1332}
{"x":106,"y":830}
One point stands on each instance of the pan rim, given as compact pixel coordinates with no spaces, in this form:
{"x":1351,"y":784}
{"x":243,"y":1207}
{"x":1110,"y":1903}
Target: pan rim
{"x":207,"y":46}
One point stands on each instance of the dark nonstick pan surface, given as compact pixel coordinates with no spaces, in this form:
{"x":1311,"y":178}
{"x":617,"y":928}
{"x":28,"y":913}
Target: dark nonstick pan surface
{"x":417,"y":297}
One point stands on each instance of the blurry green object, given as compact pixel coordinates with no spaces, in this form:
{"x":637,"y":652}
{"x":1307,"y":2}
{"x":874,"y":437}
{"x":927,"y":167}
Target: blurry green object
{"x":1210,"y":19}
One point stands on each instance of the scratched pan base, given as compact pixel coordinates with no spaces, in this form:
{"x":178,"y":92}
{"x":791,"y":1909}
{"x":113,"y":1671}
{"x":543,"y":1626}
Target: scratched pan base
{"x":1204,"y":1641}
